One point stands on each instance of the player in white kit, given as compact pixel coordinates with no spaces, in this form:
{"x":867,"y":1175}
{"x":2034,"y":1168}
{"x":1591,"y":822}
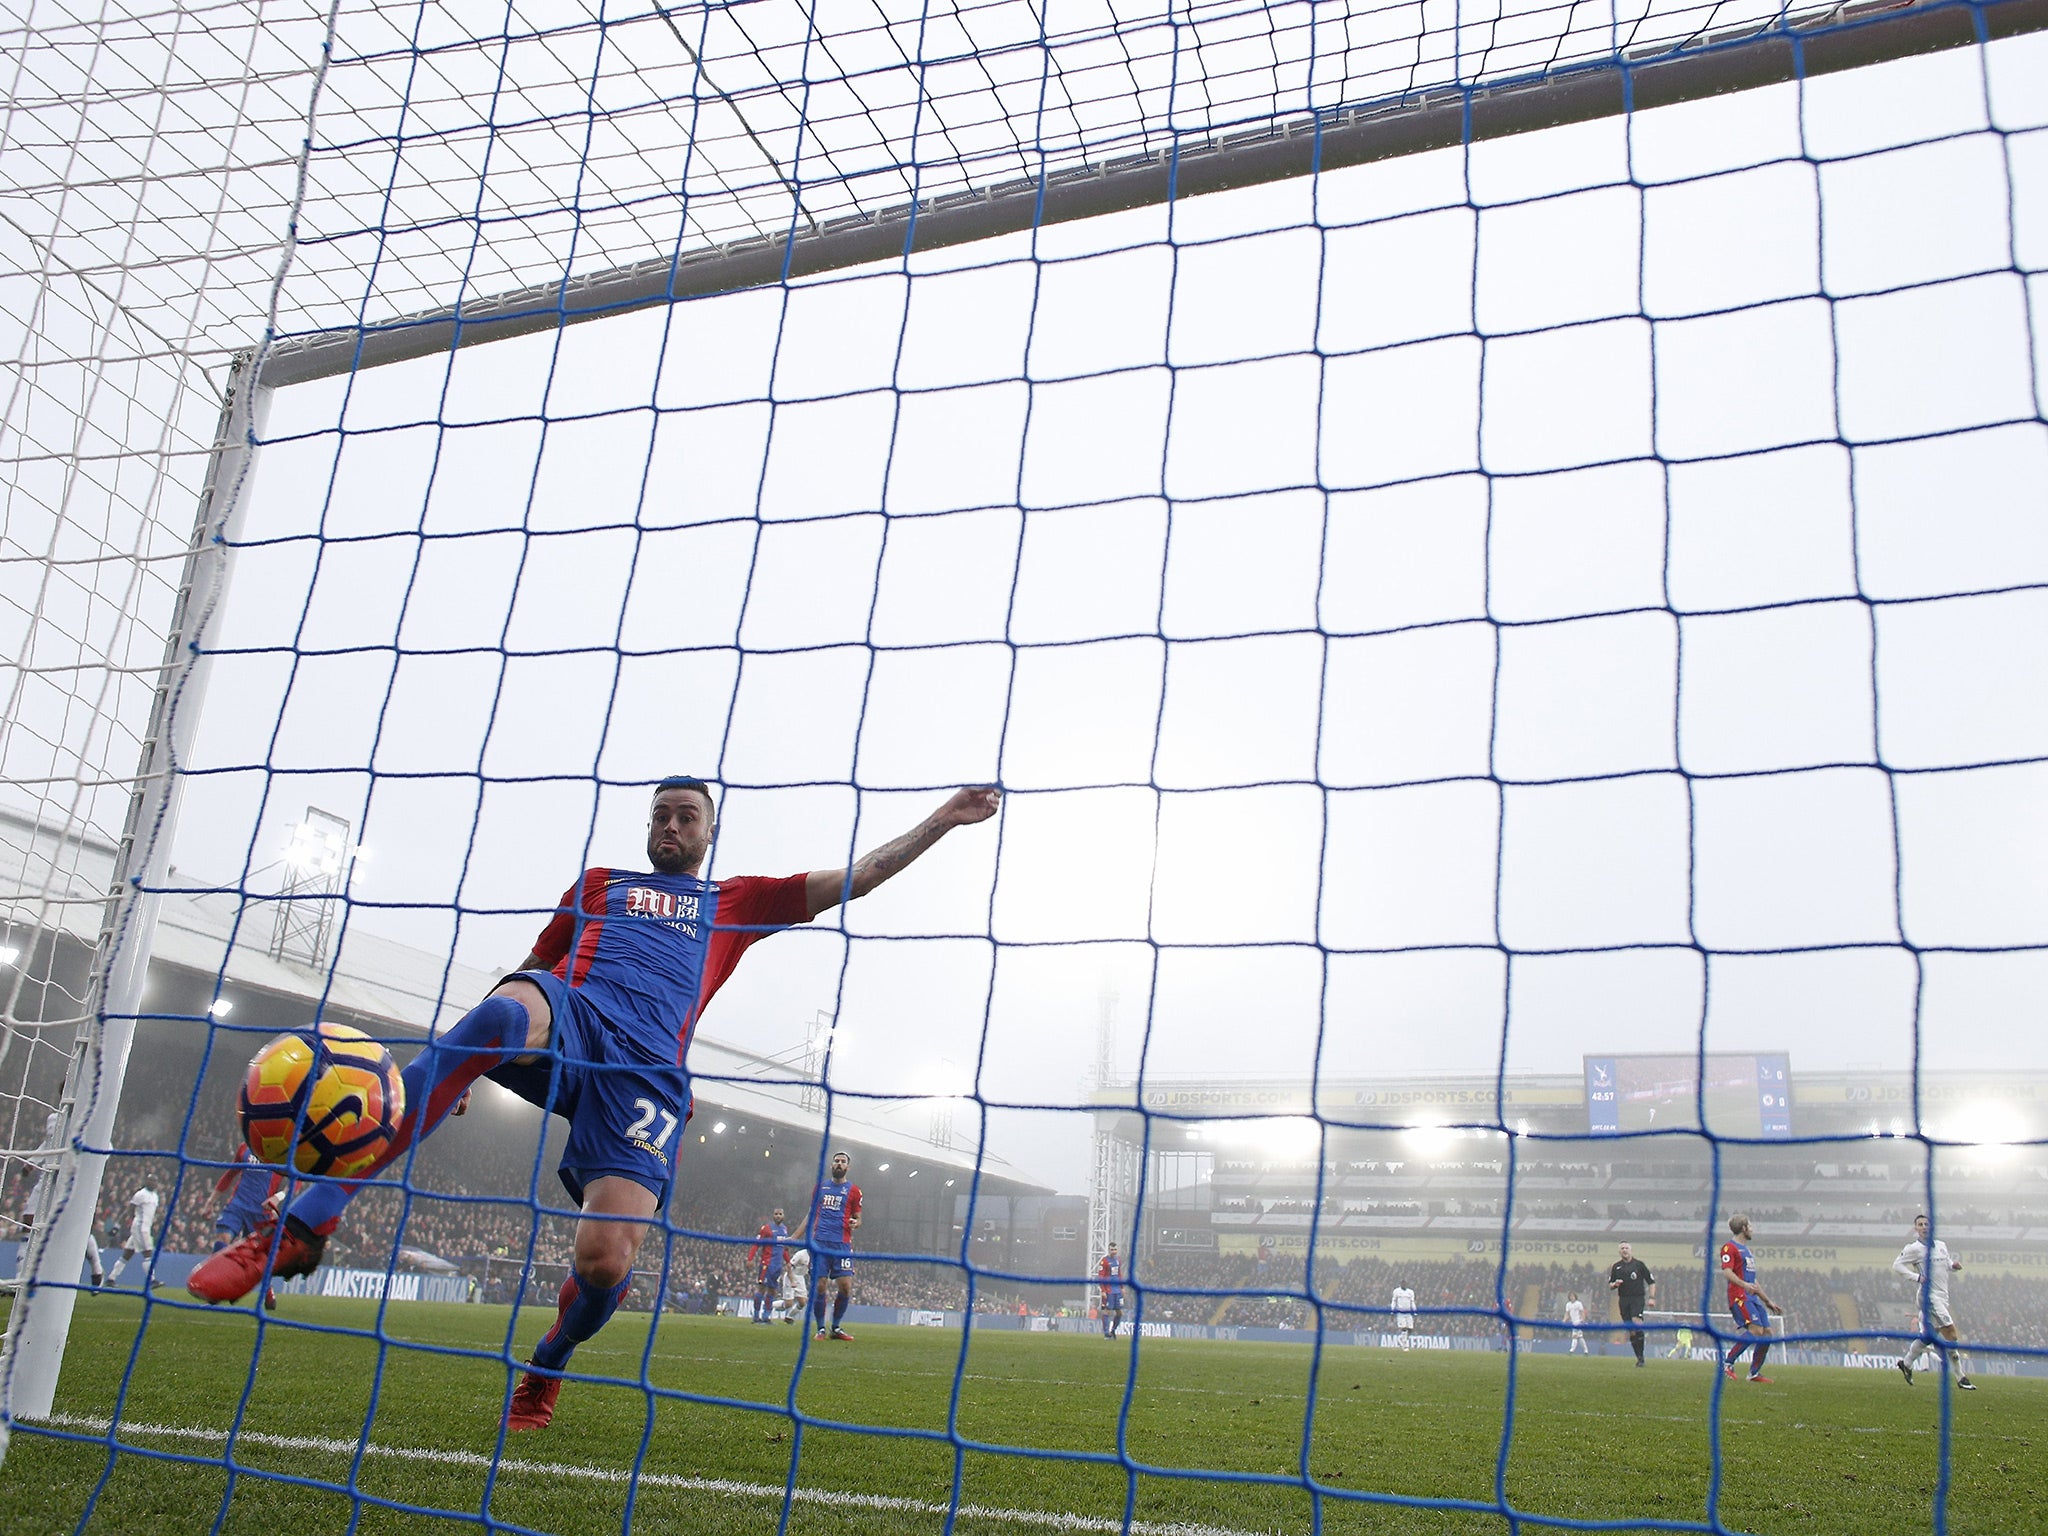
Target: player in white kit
{"x":141,"y":1236}
{"x":789,"y":1305}
{"x":1932,"y":1269}
{"x":1404,"y":1314}
{"x":1575,"y":1314}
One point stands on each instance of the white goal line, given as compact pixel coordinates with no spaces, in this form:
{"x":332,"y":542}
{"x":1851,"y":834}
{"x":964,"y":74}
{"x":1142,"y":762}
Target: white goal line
{"x":1050,"y":1520}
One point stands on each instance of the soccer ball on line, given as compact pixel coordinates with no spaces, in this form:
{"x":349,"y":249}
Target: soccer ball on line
{"x":332,"y":1090}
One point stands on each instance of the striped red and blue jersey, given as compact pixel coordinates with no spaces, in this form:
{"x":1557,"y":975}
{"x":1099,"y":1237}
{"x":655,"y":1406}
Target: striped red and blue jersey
{"x":834,"y":1208}
{"x":648,"y":951}
{"x":254,"y":1182}
{"x":1737,"y":1260}
{"x":771,"y":1253}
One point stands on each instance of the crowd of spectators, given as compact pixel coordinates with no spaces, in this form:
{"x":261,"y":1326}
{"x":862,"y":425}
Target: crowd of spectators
{"x":490,"y":1225}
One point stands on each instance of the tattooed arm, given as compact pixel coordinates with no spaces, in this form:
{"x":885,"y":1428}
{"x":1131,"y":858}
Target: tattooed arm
{"x":827,"y":888}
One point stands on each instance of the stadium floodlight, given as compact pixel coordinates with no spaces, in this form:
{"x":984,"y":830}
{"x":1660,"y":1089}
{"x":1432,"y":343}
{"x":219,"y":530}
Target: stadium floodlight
{"x":881,"y":1167}
{"x":1990,"y":1127}
{"x":1287,"y":1136}
{"x":1429,"y":1136}
{"x":9,"y":954}
{"x":221,"y":1007}
{"x":316,"y":848}
{"x":718,"y":1128}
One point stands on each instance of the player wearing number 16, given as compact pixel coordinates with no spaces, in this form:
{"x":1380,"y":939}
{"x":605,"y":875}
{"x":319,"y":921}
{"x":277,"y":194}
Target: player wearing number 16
{"x":593,"y":1026}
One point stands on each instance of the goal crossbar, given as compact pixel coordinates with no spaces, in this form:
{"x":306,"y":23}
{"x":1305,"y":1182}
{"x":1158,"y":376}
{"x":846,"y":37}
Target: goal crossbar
{"x":1818,"y":42}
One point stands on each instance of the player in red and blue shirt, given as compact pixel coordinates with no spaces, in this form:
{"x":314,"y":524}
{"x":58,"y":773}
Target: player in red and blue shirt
{"x":1746,"y":1301}
{"x":253,"y":1182}
{"x":1109,"y":1275}
{"x":593,"y":1027}
{"x":770,"y":1253}
{"x":828,"y":1232}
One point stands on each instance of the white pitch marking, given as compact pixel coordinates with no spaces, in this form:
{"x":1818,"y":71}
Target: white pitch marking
{"x":1050,"y":1520}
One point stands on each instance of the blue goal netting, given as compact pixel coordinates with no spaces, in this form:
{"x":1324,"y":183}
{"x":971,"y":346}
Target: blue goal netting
{"x":1495,"y":556}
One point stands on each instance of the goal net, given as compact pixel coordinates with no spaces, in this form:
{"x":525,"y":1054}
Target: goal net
{"x":1468,"y":536}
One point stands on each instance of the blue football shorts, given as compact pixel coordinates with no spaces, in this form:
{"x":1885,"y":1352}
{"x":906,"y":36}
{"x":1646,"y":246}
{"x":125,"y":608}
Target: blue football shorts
{"x":833,"y":1266}
{"x":1748,"y":1313}
{"x":625,"y":1112}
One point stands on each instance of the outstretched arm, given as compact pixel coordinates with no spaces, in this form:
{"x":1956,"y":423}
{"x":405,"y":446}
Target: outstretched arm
{"x":827,"y":888}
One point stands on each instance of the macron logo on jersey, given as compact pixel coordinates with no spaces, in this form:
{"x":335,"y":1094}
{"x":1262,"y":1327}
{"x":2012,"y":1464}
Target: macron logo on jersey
{"x":682,"y":912}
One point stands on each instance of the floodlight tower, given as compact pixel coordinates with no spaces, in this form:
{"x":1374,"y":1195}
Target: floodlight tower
{"x":1112,"y":1194}
{"x":941,"y":1133}
{"x":316,"y":867}
{"x":817,"y":1054}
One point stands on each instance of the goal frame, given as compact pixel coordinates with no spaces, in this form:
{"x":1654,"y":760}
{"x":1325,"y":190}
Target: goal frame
{"x":1825,"y":40}
{"x":1821,"y":41}
{"x":55,"y":1248}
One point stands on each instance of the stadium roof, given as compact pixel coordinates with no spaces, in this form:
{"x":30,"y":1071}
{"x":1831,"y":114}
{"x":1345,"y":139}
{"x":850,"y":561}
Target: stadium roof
{"x":1826,"y":1102}
{"x":59,"y":882}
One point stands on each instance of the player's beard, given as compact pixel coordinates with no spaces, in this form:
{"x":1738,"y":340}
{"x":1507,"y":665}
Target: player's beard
{"x":681,"y":859}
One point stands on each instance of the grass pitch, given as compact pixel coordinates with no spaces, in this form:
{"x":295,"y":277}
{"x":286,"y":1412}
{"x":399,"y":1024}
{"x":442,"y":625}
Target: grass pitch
{"x":1048,"y":1433}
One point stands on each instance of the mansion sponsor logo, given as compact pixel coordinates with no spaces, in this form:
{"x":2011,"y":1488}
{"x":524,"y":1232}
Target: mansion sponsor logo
{"x":678,"y":911}
{"x":925,"y":1319}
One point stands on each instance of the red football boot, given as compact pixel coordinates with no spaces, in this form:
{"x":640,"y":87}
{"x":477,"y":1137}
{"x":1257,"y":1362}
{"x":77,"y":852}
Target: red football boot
{"x":240,"y":1267}
{"x":533,"y":1402}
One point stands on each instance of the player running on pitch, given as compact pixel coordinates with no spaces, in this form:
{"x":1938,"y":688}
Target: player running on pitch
{"x":1575,"y":1314}
{"x":141,"y":1236}
{"x":1109,"y":1278}
{"x":794,"y":1300}
{"x":828,"y":1229}
{"x":1929,"y":1265}
{"x":770,"y":1255}
{"x":594,"y":1026}
{"x":1746,"y":1301}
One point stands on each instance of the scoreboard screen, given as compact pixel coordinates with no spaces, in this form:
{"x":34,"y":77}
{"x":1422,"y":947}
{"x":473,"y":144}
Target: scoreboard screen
{"x":1745,"y":1095}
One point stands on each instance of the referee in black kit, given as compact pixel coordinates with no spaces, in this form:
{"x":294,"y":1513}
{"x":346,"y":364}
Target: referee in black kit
{"x":1635,"y":1288}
